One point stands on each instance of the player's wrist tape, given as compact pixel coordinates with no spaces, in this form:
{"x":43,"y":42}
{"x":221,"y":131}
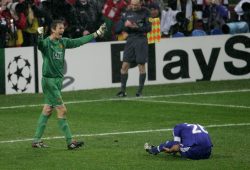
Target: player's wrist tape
{"x":95,"y":35}
{"x":98,"y":33}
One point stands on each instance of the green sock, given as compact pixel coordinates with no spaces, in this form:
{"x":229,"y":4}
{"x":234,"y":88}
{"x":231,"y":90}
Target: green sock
{"x":41,"y":125}
{"x":63,"y":125}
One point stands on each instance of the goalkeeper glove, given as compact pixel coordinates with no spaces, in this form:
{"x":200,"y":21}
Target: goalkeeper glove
{"x":100,"y":32}
{"x":40,"y":30}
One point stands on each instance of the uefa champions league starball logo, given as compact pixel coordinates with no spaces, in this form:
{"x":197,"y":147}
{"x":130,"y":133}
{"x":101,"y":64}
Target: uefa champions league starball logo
{"x":19,"y":74}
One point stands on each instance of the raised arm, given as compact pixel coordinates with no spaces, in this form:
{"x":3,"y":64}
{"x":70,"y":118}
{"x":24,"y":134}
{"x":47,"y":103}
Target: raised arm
{"x":73,"y":43}
{"x":40,"y":42}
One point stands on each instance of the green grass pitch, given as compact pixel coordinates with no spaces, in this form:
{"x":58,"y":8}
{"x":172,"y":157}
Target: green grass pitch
{"x":114,"y":130}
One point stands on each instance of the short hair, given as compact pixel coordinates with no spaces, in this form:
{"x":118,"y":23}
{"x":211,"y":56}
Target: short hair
{"x":245,"y":6}
{"x":55,"y":23}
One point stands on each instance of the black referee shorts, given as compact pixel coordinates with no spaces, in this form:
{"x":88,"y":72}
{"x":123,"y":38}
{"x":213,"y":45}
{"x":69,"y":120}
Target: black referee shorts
{"x":136,"y":50}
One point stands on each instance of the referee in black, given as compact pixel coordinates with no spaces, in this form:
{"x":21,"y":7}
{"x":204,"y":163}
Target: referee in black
{"x":135,"y":21}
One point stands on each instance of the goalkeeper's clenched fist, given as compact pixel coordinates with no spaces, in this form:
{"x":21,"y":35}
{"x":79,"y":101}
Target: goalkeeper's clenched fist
{"x":40,"y":30}
{"x":101,"y":31}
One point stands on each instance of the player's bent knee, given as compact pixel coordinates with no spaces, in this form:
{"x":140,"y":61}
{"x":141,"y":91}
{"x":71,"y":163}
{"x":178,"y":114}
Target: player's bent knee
{"x":61,"y":115}
{"x":142,"y":69}
{"x":61,"y":112}
{"x":124,"y":70}
{"x":47,"y":110}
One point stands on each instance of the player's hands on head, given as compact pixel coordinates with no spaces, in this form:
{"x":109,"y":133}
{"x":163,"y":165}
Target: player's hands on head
{"x":40,"y":30}
{"x":101,"y":31}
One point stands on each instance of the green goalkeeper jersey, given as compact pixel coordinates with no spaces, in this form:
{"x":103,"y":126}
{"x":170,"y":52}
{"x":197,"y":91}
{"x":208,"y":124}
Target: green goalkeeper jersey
{"x":53,"y":52}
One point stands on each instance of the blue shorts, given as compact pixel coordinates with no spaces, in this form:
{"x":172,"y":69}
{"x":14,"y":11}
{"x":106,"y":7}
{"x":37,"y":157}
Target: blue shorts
{"x":196,"y":152}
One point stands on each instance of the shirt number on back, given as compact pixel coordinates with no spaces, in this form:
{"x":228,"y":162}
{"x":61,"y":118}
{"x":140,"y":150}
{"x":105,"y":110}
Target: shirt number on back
{"x":197,"y":128}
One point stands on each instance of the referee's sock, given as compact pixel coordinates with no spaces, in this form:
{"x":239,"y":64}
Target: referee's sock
{"x":142,"y":79}
{"x":124,"y":78}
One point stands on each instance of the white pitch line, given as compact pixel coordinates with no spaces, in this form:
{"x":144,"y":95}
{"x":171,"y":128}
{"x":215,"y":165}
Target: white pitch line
{"x":129,"y":98}
{"x":197,"y":93}
{"x":196,"y":104}
{"x":120,"y":133}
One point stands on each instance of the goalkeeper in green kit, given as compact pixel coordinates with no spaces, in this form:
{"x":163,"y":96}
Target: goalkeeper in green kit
{"x":53,"y":51}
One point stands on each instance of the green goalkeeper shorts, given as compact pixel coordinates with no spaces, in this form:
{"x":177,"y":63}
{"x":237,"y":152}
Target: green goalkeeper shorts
{"x":52,"y":91}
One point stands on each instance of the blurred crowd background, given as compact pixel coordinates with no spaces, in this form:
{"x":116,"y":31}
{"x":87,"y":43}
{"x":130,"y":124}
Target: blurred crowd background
{"x":19,"y":19}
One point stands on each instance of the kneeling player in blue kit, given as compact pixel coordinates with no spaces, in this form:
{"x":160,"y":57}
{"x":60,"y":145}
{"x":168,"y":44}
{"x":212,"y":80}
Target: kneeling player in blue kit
{"x":190,"y":140}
